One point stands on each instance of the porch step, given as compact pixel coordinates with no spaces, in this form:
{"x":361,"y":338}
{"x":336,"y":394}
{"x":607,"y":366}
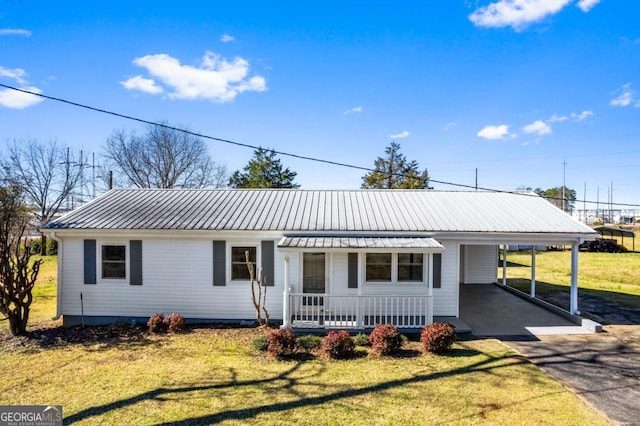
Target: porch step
{"x":461,"y":326}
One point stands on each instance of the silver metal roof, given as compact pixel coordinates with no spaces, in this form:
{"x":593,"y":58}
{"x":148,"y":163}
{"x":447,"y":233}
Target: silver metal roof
{"x":316,"y":210}
{"x":361,"y":242}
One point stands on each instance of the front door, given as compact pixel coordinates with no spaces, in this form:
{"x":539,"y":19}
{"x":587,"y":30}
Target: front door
{"x":313,"y":277}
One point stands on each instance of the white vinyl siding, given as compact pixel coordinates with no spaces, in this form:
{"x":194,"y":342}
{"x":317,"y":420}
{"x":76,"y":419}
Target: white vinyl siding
{"x":184,"y":287}
{"x":445,"y":299}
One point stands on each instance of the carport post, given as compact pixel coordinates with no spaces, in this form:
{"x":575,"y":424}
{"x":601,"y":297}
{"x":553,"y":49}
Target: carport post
{"x":533,"y":271}
{"x":573,"y":305}
{"x":504,"y":264}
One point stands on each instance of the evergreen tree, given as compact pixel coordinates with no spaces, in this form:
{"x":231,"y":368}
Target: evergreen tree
{"x":264,"y":170}
{"x":395,"y":172}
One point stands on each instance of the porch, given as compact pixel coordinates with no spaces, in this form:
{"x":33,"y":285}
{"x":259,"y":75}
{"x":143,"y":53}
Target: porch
{"x":358,"y":312}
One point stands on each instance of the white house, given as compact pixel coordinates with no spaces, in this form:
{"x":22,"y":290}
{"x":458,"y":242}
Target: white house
{"x":332,"y":259}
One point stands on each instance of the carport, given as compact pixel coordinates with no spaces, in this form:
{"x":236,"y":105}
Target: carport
{"x":617,"y":232}
{"x":491,"y":310}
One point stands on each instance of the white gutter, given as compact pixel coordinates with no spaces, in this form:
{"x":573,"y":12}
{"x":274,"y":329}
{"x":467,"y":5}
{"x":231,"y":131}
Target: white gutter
{"x":53,"y":236}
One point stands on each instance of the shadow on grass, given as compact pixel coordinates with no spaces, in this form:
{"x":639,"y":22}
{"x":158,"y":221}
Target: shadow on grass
{"x":287,"y":383}
{"x":606,"y":307}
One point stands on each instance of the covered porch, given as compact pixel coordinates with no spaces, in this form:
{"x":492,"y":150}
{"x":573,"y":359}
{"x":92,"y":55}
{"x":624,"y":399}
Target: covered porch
{"x":347,"y":282}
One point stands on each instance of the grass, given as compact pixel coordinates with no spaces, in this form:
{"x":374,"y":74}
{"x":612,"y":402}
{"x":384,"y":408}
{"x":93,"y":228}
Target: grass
{"x":612,"y":276}
{"x":213,"y":375}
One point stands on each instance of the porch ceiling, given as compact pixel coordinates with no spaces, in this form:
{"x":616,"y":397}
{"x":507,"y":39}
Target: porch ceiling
{"x":422,"y":243}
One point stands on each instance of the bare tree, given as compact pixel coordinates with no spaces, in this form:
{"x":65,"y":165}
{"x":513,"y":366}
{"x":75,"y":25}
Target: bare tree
{"x":17,"y":277}
{"x":164,"y":158}
{"x":258,"y":292}
{"x":47,"y":173}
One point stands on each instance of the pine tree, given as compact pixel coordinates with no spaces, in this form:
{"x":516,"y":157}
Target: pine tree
{"x":395,"y":172}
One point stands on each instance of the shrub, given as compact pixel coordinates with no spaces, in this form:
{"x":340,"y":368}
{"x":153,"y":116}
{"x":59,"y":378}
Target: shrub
{"x":361,"y":339}
{"x":338,"y":345}
{"x":52,"y":247}
{"x":385,"y":339}
{"x":35,"y":245}
{"x":260,"y":343}
{"x":309,"y":342}
{"x":281,"y":343}
{"x":157,"y":324}
{"x":174,"y":323}
{"x":438,"y":337}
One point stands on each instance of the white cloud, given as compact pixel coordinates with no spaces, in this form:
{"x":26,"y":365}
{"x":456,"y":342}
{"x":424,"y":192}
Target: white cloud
{"x":354,"y":110}
{"x":583,"y":115}
{"x":16,"y":74}
{"x":516,"y":13}
{"x":14,"y":99}
{"x":625,"y":98}
{"x":15,"y":31}
{"x":400,"y":135}
{"x":216,"y":79}
{"x":18,"y":100}
{"x":142,"y":84}
{"x":538,"y":127}
{"x":587,"y":5}
{"x":450,"y":125}
{"x":495,"y":132}
{"x":226,"y":38}
{"x":573,"y":116}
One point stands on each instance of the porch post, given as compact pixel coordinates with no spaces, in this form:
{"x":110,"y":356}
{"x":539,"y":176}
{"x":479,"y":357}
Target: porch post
{"x":286,"y":316}
{"x":429,"y":318}
{"x":574,"y":280}
{"x":504,"y":264}
{"x":533,"y":271}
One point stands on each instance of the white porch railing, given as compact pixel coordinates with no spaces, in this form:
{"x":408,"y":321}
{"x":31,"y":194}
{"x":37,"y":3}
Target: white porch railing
{"x":343,"y":312}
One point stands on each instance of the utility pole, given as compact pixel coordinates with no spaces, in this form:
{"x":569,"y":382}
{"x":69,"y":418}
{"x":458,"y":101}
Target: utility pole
{"x":584,"y":202}
{"x":476,"y":178}
{"x":564,"y":168}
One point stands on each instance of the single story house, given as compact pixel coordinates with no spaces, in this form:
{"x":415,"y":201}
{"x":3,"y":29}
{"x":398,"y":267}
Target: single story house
{"x":331,"y":258}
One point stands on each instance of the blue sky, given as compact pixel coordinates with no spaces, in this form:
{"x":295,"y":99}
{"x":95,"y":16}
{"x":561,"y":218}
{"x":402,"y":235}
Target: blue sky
{"x":510,"y":87}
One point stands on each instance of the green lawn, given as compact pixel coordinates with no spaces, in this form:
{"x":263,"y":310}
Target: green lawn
{"x":615,"y":277}
{"x":214,"y":376}
{"x":117,"y":376}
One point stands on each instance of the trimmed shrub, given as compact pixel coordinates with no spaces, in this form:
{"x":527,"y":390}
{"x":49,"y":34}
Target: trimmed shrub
{"x":281,"y":343}
{"x":385,"y":339}
{"x":361,"y":339}
{"x":175,"y":323}
{"x":157,"y":324}
{"x":338,"y":345}
{"x":260,"y":343}
{"x":438,"y":337}
{"x":309,"y":342}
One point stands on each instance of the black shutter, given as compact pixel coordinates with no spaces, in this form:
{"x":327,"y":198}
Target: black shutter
{"x":268,"y":262}
{"x":353,"y":270}
{"x":219,"y":263}
{"x":90,"y":261}
{"x":135,"y":259}
{"x":437,"y":270}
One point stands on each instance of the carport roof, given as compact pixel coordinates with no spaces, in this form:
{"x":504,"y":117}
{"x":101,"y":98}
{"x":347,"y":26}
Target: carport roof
{"x":614,"y":232}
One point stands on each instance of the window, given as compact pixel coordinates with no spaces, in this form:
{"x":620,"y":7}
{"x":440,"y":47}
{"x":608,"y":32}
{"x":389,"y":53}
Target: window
{"x":114,"y":261}
{"x":239,"y":270}
{"x":378,"y":267}
{"x":410,"y":267}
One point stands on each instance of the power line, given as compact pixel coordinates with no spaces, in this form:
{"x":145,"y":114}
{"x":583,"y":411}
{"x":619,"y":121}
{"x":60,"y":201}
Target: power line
{"x":287,"y":154}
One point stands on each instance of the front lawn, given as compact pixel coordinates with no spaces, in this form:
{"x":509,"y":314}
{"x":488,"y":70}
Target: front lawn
{"x":210,"y":375}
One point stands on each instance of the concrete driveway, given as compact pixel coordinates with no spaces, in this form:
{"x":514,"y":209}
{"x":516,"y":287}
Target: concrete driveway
{"x":603,"y":368}
{"x":490,"y":310}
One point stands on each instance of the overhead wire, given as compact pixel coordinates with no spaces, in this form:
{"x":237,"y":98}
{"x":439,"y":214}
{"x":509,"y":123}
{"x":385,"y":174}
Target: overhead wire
{"x":284,"y":153}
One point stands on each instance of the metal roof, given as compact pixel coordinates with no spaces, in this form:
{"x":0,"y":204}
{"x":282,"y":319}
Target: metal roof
{"x":614,"y":232}
{"x":320,"y":210}
{"x":360,"y":242}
